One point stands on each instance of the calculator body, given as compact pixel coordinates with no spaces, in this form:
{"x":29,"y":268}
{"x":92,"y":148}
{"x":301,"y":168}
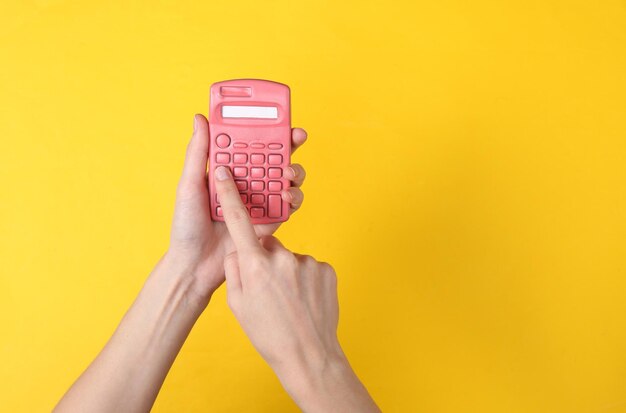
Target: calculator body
{"x":250,"y":133}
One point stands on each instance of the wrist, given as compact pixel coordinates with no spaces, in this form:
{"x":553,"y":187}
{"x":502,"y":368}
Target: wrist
{"x":325,"y":384}
{"x":200,"y":275}
{"x":175,"y":279}
{"x":311,"y":377}
{"x":136,"y":359}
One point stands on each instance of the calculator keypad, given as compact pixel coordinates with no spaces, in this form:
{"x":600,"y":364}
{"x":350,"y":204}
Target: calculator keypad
{"x":274,"y":173}
{"x":222,"y":140}
{"x":257,"y":172}
{"x":274,"y":159}
{"x":257,"y":186}
{"x":253,"y":175}
{"x":223,"y":157}
{"x":257,"y":159}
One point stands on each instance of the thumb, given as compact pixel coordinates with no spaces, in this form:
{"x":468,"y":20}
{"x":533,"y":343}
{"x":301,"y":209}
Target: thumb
{"x":194,"y":170}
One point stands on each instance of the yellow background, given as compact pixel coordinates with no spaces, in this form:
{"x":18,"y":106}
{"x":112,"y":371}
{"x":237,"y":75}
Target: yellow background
{"x":466,"y":178}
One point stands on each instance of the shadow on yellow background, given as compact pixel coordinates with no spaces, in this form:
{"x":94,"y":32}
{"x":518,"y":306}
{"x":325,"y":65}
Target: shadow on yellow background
{"x":466,"y":177}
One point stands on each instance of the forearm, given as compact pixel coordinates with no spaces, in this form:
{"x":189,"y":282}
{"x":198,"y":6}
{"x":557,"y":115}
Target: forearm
{"x":129,"y":371}
{"x":326,"y":385}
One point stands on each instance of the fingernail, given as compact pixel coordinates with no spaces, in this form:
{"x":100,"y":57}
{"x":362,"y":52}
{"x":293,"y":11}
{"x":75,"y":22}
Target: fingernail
{"x":287,"y":196}
{"x":195,"y":123}
{"x":221,"y":173}
{"x":293,"y":172}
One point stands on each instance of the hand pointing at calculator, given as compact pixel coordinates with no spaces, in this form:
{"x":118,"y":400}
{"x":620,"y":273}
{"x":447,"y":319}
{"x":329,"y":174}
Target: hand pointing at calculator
{"x":287,"y":305}
{"x":198,"y":241}
{"x":285,"y":302}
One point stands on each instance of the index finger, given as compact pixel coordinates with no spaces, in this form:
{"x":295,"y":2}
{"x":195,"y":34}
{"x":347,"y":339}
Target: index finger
{"x":235,"y":213}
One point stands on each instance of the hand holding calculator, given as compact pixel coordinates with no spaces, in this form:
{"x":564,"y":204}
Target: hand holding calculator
{"x":250,"y":133}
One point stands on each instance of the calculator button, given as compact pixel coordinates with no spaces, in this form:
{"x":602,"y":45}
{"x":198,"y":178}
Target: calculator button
{"x":238,"y":91}
{"x":240,"y":171}
{"x":257,"y":185}
{"x":257,"y":145}
{"x":257,"y":172}
{"x":257,"y":158}
{"x":222,"y":140}
{"x":275,"y":146}
{"x":241,"y":185}
{"x":240,"y":145}
{"x":244,"y":198}
{"x":240,"y":158}
{"x":274,"y":186}
{"x":222,"y":157}
{"x":275,"y":172}
{"x":218,"y":212}
{"x":274,"y":159}
{"x":257,"y":198}
{"x":257,"y":212}
{"x":274,"y":206}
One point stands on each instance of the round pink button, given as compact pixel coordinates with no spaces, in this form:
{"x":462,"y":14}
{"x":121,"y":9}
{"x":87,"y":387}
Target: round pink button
{"x":222,"y":140}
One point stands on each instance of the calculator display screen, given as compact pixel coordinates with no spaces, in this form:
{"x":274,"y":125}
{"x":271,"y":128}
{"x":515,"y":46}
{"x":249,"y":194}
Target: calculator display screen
{"x":256,"y":112}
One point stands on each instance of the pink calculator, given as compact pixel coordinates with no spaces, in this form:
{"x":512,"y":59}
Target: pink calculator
{"x":250,"y":132}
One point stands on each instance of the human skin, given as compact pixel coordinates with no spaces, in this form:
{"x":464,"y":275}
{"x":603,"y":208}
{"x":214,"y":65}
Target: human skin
{"x":287,"y":305}
{"x":285,"y":302}
{"x":127,"y":374}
